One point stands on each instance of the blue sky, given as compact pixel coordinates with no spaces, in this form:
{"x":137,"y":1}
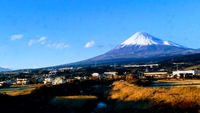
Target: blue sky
{"x":41,"y":33}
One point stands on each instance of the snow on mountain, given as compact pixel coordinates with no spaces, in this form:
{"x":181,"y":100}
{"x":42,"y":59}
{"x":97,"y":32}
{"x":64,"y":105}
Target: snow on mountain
{"x":139,"y":48}
{"x":144,"y":39}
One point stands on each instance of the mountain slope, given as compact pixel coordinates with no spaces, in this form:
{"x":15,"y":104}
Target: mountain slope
{"x":143,"y":45}
{"x":140,"y":47}
{"x":4,"y":69}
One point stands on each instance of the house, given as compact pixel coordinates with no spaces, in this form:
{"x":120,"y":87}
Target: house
{"x":58,"y":80}
{"x":22,"y":81}
{"x":4,"y":84}
{"x":48,"y":80}
{"x":67,"y":68}
{"x":79,"y":78}
{"x":96,"y":76}
{"x":110,"y":75}
{"x":52,"y":72}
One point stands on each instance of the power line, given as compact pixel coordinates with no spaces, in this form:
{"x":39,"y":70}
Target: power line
{"x":177,"y":65}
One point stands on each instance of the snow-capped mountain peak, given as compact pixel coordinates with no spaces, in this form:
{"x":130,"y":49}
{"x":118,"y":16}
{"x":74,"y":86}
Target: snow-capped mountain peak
{"x":144,"y":39}
{"x":140,"y":48}
{"x":140,"y":38}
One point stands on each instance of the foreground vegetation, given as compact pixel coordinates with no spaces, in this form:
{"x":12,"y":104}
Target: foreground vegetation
{"x":119,"y":97}
{"x":131,"y":98}
{"x":77,"y":97}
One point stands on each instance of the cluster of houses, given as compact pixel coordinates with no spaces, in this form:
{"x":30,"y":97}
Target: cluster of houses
{"x":53,"y":78}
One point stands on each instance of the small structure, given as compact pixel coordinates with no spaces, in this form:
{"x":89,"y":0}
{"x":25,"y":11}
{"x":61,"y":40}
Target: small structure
{"x":183,"y":74}
{"x":110,"y":75}
{"x":58,"y":80}
{"x":156,"y":74}
{"x":48,"y":80}
{"x":95,"y":76}
{"x":146,"y":65}
{"x":52,"y":72}
{"x":22,"y":81}
{"x":4,"y":84}
{"x":66,"y":68}
{"x":79,"y":78}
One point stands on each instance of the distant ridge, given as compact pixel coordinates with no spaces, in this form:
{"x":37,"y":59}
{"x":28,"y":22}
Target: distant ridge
{"x":4,"y":69}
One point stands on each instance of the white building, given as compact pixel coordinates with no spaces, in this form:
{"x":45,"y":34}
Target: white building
{"x":96,"y":76}
{"x":48,"y":80}
{"x":189,"y":72}
{"x":22,"y":81}
{"x":66,"y":68}
{"x":58,"y":80}
{"x":110,"y":73}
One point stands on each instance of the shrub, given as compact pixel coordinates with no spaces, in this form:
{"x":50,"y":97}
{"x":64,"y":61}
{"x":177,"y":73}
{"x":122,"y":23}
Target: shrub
{"x":76,"y":104}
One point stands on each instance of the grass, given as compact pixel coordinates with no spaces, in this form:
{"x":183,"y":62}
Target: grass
{"x":131,"y":98}
{"x":76,"y":104}
{"x":20,"y":92}
{"x":73,"y":101}
{"x":16,"y":90}
{"x":122,"y":97}
{"x":23,"y":91}
{"x":47,"y":99}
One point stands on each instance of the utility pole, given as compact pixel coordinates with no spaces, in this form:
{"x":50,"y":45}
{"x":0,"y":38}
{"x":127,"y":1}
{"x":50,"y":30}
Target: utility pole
{"x":177,"y":65}
{"x":177,"y":68}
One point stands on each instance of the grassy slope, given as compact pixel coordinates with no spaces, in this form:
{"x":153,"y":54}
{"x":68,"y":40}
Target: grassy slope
{"x":131,"y":98}
{"x":123,"y":98}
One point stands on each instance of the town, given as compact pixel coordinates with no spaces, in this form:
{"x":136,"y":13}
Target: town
{"x":111,"y":72}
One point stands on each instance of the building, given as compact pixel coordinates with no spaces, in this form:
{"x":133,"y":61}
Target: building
{"x":110,"y":75}
{"x":48,"y":80}
{"x":146,"y":65}
{"x":156,"y":74}
{"x":96,"y":76}
{"x":183,"y":74}
{"x":22,"y":81}
{"x":79,"y":78}
{"x":66,"y":68}
{"x":58,"y":80}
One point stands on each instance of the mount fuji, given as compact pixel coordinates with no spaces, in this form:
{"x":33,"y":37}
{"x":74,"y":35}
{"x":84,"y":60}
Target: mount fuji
{"x":140,"y":47}
{"x":143,"y":39}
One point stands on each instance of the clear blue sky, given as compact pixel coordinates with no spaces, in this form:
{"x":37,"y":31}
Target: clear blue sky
{"x":40,"y":33}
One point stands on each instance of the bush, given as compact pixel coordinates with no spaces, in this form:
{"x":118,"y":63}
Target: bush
{"x":77,"y":104}
{"x":131,"y":78}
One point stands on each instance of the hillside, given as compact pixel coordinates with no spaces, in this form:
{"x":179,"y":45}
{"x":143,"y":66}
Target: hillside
{"x":188,"y":62}
{"x":4,"y":69}
{"x":130,"y":98}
